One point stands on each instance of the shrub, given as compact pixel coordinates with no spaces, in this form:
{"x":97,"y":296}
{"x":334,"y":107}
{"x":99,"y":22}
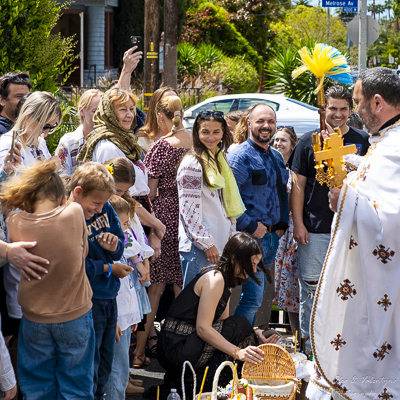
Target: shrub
{"x":70,"y":122}
{"x":207,"y":55}
{"x":186,"y":59}
{"x":209,"y":23}
{"x":29,"y":45}
{"x":238,"y":75}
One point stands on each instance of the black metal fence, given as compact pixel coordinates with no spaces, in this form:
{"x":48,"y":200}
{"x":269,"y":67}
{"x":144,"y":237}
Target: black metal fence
{"x":189,"y":96}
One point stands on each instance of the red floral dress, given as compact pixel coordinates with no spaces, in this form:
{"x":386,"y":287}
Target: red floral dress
{"x":162,"y":162}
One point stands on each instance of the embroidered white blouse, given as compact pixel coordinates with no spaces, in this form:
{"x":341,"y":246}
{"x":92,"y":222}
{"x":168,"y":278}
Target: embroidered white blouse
{"x":68,"y":149}
{"x":202,"y":217}
{"x":106,"y":150}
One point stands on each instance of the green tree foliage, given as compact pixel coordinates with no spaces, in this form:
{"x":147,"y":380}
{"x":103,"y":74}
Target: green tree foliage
{"x":209,"y":61}
{"x":396,"y":8}
{"x":27,"y":43}
{"x":209,"y":23}
{"x":244,"y":82}
{"x":309,"y":24}
{"x":252,"y":18}
{"x":388,"y":44}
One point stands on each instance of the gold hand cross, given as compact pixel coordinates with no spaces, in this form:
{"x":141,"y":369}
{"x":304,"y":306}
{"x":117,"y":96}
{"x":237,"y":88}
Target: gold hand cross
{"x":333,"y":153}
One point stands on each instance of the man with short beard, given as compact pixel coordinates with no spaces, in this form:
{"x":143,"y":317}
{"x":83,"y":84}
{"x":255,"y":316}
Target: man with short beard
{"x":356,"y":322}
{"x":312,"y":217}
{"x":261,"y":177}
{"x":13,"y":87}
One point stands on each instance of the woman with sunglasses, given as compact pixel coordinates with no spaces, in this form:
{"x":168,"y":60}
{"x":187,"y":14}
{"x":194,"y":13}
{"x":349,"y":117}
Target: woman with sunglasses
{"x":209,"y":198}
{"x":161,"y":162}
{"x":286,"y":264}
{"x":39,"y":116}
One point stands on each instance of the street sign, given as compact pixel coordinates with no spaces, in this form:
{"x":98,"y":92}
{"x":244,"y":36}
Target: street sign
{"x":340,"y":3}
{"x":350,"y":9}
{"x":353,"y":29}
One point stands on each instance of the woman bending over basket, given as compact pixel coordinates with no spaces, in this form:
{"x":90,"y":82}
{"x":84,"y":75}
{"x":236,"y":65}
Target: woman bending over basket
{"x":198,"y":327}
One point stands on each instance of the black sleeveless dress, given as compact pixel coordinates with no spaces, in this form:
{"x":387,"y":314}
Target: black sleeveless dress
{"x":178,"y":341}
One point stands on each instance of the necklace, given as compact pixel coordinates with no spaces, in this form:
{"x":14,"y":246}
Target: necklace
{"x":182,"y":129}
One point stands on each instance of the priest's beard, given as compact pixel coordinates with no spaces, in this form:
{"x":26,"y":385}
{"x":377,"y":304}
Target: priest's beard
{"x":371,"y":121}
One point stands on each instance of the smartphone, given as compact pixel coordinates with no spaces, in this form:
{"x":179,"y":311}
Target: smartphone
{"x":14,"y":140}
{"x":137,"y":41}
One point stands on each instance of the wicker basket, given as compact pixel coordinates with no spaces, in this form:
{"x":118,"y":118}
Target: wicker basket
{"x":213,"y":394}
{"x":276,"y":374}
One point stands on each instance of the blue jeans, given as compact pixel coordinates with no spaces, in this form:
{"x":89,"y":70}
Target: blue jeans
{"x":119,"y":378}
{"x":252,"y":294}
{"x":56,"y":360}
{"x":311,"y":259}
{"x":105,"y":323}
{"x":192,"y":262}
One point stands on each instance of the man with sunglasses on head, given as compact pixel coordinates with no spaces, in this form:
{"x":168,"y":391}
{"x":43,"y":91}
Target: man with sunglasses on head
{"x":261,"y":177}
{"x":312,"y":217}
{"x":13,"y":87}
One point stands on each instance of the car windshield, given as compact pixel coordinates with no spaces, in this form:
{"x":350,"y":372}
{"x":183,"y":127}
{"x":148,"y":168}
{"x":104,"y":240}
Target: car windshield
{"x":300,"y":103}
{"x":220,"y":105}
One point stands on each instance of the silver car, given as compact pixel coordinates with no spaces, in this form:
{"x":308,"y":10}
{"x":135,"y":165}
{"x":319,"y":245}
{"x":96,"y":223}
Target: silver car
{"x":301,"y":116}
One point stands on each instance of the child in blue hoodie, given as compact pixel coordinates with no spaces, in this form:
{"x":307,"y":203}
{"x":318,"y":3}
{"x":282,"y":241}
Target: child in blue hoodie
{"x":91,"y":186}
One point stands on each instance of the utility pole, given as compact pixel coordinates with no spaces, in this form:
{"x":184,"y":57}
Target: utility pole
{"x":151,"y":43}
{"x":328,"y":25}
{"x":362,"y":40}
{"x":171,"y":43}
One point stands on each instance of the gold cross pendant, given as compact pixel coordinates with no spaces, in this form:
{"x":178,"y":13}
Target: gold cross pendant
{"x":332,"y":157}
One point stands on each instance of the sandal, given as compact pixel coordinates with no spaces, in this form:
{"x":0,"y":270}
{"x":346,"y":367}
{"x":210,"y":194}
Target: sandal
{"x":152,"y":351}
{"x":140,"y":361}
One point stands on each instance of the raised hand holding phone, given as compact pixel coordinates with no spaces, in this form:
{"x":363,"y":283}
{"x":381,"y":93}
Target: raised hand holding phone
{"x":13,"y":158}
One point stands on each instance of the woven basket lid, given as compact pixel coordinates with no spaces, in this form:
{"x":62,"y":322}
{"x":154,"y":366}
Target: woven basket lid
{"x":277,"y":365}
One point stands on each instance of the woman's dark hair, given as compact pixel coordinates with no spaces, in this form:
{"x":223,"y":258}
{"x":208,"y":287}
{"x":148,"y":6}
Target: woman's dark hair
{"x":238,"y":251}
{"x":199,"y":148}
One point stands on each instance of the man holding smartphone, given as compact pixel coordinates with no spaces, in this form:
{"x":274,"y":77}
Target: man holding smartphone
{"x":13,"y":86}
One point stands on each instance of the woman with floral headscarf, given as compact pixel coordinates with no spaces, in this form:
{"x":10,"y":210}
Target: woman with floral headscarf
{"x":113,"y":137}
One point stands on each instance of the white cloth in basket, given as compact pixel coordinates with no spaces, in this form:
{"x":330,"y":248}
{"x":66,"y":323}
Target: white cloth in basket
{"x":276,"y":388}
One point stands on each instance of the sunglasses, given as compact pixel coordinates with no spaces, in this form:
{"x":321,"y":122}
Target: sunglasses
{"x":211,"y":113}
{"x":50,"y":128}
{"x":285,"y":127}
{"x":22,"y":78}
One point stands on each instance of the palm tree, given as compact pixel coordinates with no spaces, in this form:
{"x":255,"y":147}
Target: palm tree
{"x":303,"y":3}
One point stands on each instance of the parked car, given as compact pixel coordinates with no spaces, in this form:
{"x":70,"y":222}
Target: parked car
{"x":289,"y":112}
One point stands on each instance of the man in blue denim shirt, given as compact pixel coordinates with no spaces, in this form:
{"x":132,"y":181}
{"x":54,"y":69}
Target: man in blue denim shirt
{"x":261,"y":177}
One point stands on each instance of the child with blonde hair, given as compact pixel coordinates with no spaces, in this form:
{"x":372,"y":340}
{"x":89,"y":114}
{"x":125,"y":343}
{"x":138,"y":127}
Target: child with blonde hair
{"x":92,"y":186}
{"x":56,"y":339}
{"x":136,"y":254}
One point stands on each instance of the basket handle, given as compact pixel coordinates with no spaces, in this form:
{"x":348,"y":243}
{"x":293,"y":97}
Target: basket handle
{"x":216,"y":379}
{"x":183,"y":380}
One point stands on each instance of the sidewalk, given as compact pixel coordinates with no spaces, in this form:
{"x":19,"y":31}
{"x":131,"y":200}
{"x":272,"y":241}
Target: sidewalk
{"x":152,"y":375}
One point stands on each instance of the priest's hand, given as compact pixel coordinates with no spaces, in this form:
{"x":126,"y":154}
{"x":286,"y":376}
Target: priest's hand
{"x":333,"y":197}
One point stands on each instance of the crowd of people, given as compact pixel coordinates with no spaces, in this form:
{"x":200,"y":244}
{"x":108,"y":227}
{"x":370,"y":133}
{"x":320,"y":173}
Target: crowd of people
{"x":130,"y":204}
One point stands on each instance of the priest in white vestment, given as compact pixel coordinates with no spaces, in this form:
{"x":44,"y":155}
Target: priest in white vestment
{"x":355,"y":322}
